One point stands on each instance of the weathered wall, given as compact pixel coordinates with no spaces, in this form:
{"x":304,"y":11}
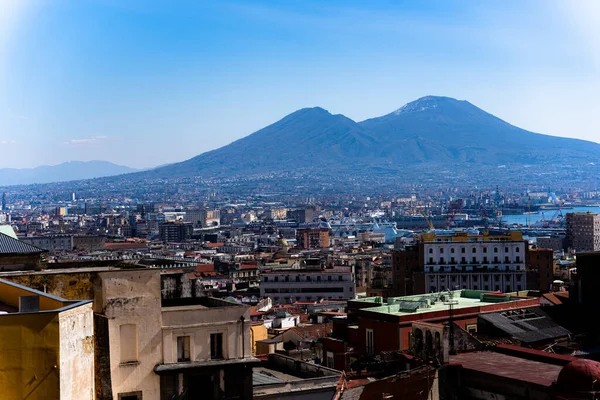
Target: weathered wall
{"x":199,"y":323}
{"x":70,"y":286}
{"x":29,"y":351}
{"x":133,"y":297}
{"x":19,"y":263}
{"x":76,"y":331}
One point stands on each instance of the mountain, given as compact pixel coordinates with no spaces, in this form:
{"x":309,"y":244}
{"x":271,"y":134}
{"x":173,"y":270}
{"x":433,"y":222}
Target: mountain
{"x":431,"y":131}
{"x":68,"y":171}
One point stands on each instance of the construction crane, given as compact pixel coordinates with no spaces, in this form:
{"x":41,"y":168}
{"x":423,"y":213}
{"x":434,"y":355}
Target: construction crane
{"x":555,"y":216}
{"x":427,"y":219}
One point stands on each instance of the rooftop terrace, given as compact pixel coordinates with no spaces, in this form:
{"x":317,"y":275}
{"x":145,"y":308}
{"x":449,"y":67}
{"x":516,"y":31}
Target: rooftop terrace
{"x":433,"y":302}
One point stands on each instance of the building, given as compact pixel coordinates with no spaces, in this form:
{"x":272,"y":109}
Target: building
{"x":462,"y":261}
{"x":156,"y":346}
{"x":583,"y":231}
{"x":51,"y":243}
{"x":302,"y":215}
{"x":312,"y":238}
{"x":203,"y":218}
{"x":47,"y":345}
{"x":373,"y":326}
{"x":16,"y":255}
{"x":175,"y":231}
{"x":540,"y":269}
{"x":555,"y":242}
{"x":88,"y":243}
{"x":287,"y":285}
{"x":276,"y":213}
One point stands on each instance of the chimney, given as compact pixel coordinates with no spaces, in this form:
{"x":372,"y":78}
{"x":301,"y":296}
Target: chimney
{"x":29,"y":304}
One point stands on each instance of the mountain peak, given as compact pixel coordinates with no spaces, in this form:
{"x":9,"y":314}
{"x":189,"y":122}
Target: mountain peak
{"x":425,"y":103}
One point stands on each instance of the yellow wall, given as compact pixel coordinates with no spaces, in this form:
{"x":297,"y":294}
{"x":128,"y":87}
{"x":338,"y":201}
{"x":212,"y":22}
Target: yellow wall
{"x":29,"y":356}
{"x":258,"y":332}
{"x":10,"y":294}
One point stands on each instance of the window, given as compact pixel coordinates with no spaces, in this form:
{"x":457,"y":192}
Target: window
{"x":308,"y":278}
{"x":319,"y":278}
{"x":276,"y":279}
{"x":517,"y":249}
{"x":430,"y":260}
{"x":474,"y":260}
{"x":297,"y":279}
{"x":495,"y":249}
{"x":183,"y":348}
{"x":462,"y":249}
{"x":129,"y":343}
{"x":216,"y":346}
{"x":472,"y":328}
{"x":329,"y":362}
{"x":463,"y":260}
{"x":441,"y":250}
{"x":329,"y":278}
{"x":430,"y":250}
{"x":370,"y":342}
{"x":441,"y":260}
{"x":506,"y":249}
{"x":266,"y":279}
{"x":130,"y":396}
{"x":452,"y":260}
{"x":339,"y":278}
{"x":485,"y":249}
{"x":452,"y":250}
{"x":518,"y":259}
{"x":506,"y":259}
{"x":474,"y":250}
{"x":287,"y":278}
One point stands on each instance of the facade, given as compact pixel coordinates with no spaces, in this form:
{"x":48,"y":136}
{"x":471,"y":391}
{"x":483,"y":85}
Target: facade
{"x":155,"y":346}
{"x":288,"y":285}
{"x":175,"y":231}
{"x":276,"y":213}
{"x":583,"y":231}
{"x":556,"y":243}
{"x":88,"y":242}
{"x":462,"y":261}
{"x":302,"y":215}
{"x":203,"y":218}
{"x":540,"y":269}
{"x":51,"y":243}
{"x":47,"y":346}
{"x":312,"y":238}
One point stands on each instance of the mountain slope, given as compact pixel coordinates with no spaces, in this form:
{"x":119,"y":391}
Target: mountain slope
{"x":68,"y":171}
{"x":431,"y":130}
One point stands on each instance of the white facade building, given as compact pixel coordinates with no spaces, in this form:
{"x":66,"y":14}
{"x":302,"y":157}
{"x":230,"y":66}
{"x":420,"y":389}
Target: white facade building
{"x":305,"y":284}
{"x":478,"y":262}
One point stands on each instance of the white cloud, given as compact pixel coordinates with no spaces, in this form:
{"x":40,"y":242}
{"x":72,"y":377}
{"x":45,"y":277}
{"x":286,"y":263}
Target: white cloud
{"x":86,"y":141}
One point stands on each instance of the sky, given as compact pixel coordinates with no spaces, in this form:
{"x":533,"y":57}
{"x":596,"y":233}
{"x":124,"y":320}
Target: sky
{"x":144,"y":83}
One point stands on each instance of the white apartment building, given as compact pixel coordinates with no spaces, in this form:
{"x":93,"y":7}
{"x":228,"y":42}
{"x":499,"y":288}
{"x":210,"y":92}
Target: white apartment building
{"x":477,"y":262}
{"x":288,"y":285}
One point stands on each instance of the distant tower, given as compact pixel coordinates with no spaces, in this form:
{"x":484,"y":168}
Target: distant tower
{"x":73,"y":197}
{"x":3,"y":201}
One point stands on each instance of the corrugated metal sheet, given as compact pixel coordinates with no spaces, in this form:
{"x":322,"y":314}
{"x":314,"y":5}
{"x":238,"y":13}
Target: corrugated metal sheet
{"x":9,"y":245}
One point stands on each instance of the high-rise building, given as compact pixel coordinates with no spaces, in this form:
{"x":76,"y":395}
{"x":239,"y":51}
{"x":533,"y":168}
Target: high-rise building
{"x":3,"y":201}
{"x":312,"y":238}
{"x":175,"y":231}
{"x":583,"y":231}
{"x":203,"y":218}
{"x":302,"y":215}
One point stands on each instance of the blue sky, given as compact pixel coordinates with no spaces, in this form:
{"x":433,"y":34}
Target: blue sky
{"x":142,"y":83}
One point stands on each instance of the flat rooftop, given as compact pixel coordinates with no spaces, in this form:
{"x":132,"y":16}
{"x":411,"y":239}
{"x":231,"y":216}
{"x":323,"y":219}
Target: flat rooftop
{"x":516,"y":368}
{"x":432,"y":302}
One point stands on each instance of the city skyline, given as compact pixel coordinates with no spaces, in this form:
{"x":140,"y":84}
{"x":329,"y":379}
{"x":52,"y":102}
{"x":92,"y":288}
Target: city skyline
{"x":103,"y":80}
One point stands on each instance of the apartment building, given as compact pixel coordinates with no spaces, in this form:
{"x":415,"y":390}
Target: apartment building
{"x":51,"y":242}
{"x":583,"y":231}
{"x":154,"y":346}
{"x":309,"y":283}
{"x":312,"y":238}
{"x":175,"y":231}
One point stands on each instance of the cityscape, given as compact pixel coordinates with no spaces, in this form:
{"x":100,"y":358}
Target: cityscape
{"x":432,"y":252}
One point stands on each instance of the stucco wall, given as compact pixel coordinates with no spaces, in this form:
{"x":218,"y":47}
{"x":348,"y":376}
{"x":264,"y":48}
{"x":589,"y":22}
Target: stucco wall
{"x":133,"y":297}
{"x":70,"y":286}
{"x":76,"y":330}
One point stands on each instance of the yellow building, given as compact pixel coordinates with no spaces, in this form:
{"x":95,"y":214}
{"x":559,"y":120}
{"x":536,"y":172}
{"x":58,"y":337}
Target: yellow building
{"x":46,"y":346}
{"x":258,"y":331}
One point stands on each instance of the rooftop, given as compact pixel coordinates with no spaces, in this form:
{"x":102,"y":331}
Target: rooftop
{"x":432,"y":302}
{"x":10,"y":245}
{"x":510,"y":367}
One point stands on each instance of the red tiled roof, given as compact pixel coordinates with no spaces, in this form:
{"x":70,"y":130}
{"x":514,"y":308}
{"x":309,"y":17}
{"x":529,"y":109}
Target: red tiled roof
{"x":247,"y":266}
{"x":205,"y":268}
{"x":214,"y":245}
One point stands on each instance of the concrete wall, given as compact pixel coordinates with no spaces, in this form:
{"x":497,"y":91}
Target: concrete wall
{"x":133,"y":297}
{"x":76,"y":332}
